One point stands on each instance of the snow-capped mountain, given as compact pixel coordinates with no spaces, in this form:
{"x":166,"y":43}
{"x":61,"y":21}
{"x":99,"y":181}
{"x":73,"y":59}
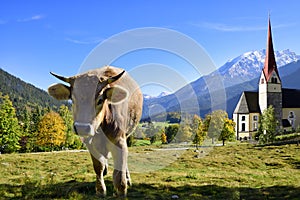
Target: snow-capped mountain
{"x":146,"y":96}
{"x":249,"y":65}
{"x":162,"y":94}
{"x":234,"y":77}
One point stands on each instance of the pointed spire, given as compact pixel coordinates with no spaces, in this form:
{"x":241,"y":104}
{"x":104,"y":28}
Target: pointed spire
{"x":270,"y":62}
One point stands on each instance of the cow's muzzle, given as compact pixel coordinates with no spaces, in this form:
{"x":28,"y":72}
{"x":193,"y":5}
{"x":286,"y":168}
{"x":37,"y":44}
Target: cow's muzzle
{"x":84,"y":129}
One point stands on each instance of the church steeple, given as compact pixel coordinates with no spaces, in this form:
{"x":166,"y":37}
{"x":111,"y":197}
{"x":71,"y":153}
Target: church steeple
{"x":270,"y":62}
{"x":270,"y":88}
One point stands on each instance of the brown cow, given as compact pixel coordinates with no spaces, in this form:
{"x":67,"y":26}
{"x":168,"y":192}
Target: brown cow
{"x":107,"y":106}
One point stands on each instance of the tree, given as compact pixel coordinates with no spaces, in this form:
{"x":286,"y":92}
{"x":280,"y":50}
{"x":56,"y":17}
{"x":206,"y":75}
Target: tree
{"x":153,"y":132}
{"x":198,"y":130}
{"x":51,"y":132}
{"x":163,"y":137}
{"x":184,"y":133}
{"x":214,"y":123}
{"x":268,"y":125}
{"x":72,"y":140}
{"x":25,"y":121}
{"x":138,"y":133}
{"x":173,"y":117}
{"x":227,"y":132}
{"x":36,"y":116}
{"x":155,"y":137}
{"x":130,"y":140}
{"x":171,"y":132}
{"x":9,"y":127}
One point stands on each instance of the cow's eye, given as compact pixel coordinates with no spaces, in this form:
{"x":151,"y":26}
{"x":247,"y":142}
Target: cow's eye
{"x":100,"y":101}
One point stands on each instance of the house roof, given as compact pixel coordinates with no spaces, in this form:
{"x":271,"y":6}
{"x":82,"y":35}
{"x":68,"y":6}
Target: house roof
{"x":270,"y":62}
{"x":248,"y":103}
{"x":290,"y":98}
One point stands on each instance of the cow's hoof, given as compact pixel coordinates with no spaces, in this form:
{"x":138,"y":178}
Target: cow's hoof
{"x":100,"y":189}
{"x":101,"y":193}
{"x":120,"y":195}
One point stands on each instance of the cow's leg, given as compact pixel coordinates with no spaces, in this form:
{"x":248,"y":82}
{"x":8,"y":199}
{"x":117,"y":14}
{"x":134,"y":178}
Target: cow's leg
{"x":120,"y":153}
{"x":101,"y":170}
{"x":128,"y":177}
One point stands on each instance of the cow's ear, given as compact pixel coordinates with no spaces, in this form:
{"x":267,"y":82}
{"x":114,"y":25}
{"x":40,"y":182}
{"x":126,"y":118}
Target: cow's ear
{"x":60,"y":91}
{"x":116,"y":94}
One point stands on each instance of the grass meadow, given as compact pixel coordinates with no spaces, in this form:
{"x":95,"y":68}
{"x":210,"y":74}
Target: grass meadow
{"x":235,"y":171}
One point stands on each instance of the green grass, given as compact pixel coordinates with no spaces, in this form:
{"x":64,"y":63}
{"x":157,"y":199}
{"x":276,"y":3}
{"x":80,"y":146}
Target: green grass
{"x":143,"y":142}
{"x":287,"y":136}
{"x":232,"y":172}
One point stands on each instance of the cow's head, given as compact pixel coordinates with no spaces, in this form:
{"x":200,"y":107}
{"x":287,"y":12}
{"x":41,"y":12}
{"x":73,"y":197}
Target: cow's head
{"x":91,"y":96}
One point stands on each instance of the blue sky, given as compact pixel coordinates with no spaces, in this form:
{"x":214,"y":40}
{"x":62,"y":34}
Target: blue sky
{"x":41,"y":36}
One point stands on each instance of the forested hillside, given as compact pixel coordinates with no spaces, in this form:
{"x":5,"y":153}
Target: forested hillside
{"x":24,"y":95}
{"x":31,"y":120}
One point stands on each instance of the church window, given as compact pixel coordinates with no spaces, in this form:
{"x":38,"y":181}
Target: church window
{"x":262,"y":81}
{"x":243,"y":118}
{"x":255,"y":117}
{"x":243,"y":127}
{"x":274,"y":80}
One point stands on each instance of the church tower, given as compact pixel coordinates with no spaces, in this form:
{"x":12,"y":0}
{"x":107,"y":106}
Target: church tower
{"x":270,"y":88}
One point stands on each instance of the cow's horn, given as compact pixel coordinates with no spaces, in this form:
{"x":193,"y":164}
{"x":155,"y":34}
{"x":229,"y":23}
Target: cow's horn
{"x":113,"y":79}
{"x":65,"y":79}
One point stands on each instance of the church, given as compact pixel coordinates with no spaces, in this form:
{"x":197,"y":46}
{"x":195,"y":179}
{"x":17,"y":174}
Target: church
{"x":286,"y":102}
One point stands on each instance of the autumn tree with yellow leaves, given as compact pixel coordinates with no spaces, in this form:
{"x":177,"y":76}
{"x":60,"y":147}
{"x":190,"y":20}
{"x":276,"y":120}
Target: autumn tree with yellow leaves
{"x":51,"y":132}
{"x":227,"y":132}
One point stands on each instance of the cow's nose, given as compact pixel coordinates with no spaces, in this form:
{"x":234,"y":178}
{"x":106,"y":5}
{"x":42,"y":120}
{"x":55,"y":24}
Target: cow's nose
{"x":84,"y":129}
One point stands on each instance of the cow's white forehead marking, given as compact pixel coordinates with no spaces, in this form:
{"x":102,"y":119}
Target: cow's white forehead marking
{"x":85,"y":86}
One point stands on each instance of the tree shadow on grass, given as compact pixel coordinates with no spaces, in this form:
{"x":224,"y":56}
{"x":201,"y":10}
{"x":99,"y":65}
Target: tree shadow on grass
{"x":86,"y":190}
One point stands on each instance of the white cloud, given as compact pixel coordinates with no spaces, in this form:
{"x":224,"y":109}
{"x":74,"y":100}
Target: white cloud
{"x":234,"y":28}
{"x":228,"y":28}
{"x":33,"y":18}
{"x":85,"y":41}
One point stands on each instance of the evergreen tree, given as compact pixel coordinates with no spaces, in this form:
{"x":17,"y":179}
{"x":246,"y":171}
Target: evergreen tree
{"x":36,"y":116}
{"x":51,"y":132}
{"x":171,"y":132}
{"x":25,"y":120}
{"x":9,"y":127}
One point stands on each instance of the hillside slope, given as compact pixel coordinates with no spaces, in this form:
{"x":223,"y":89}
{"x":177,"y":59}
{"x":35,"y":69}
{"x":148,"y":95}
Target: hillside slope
{"x":23,"y":94}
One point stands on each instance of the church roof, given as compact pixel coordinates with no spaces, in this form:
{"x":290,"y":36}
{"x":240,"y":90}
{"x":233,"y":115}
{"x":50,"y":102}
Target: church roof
{"x":248,"y":103}
{"x":270,"y":62}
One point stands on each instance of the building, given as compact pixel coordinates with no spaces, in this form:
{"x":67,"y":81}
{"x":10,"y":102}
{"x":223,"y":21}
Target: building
{"x":286,"y":102}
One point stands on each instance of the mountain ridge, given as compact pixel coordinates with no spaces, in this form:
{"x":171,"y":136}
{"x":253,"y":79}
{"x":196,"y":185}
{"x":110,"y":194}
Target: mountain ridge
{"x":225,"y":92}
